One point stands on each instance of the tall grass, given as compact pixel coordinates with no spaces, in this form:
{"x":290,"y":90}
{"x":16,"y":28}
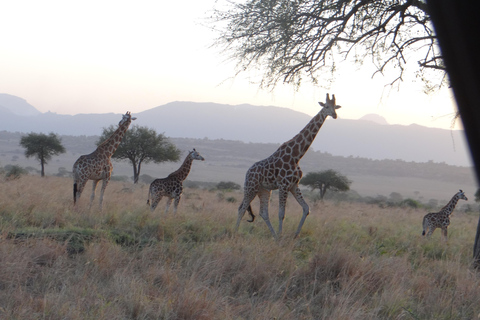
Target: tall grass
{"x":351,"y":261}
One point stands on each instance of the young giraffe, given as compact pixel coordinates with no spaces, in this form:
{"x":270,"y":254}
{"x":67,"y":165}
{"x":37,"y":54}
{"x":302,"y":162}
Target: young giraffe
{"x":171,"y":186}
{"x":97,"y":165}
{"x":441,"y":219}
{"x":281,"y":171}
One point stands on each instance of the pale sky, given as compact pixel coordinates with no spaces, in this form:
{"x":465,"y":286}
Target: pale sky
{"x":111,"y":56}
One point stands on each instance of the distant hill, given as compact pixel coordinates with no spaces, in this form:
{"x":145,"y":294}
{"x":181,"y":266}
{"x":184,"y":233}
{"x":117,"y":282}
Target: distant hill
{"x":17,"y":106}
{"x":364,"y":138}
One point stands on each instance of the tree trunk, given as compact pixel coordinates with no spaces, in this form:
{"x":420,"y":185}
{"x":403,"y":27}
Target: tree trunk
{"x":42,"y":163}
{"x":476,"y":248}
{"x":136,"y":172}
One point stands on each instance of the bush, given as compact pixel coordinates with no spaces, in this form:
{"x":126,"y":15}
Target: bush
{"x":228,"y":185}
{"x":14,"y":172}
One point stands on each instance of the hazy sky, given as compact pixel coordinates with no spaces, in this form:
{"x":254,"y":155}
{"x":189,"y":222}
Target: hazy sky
{"x":112,"y":56}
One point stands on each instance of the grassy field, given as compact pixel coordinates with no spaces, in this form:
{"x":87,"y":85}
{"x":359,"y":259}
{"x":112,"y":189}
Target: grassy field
{"x":351,"y":261}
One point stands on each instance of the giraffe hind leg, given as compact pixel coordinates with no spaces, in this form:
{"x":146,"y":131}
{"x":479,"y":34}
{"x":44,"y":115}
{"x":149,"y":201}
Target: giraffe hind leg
{"x":250,"y":212}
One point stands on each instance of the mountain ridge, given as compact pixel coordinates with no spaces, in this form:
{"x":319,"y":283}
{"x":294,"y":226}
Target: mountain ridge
{"x":265,"y":124}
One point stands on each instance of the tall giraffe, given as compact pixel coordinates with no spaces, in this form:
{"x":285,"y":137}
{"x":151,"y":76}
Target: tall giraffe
{"x":281,"y":171}
{"x":97,"y":165}
{"x":171,"y":186}
{"x":441,"y":219}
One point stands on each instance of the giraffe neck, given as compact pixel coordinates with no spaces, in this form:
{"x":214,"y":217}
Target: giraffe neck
{"x":300,"y":143}
{"x":182,"y":172}
{"x":450,"y":205}
{"x":109,"y":146}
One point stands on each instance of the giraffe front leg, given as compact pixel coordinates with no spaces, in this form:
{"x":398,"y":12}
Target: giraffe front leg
{"x":306,"y":209}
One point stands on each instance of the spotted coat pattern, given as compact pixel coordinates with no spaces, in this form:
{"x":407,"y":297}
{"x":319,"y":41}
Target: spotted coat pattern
{"x":171,"y":186}
{"x":281,"y":171}
{"x":441,"y":219}
{"x":97,"y":165}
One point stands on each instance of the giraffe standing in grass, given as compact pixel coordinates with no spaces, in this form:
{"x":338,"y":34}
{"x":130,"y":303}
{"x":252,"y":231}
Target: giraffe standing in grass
{"x":281,"y":171}
{"x":441,"y":219}
{"x":171,"y":186}
{"x":97,"y":165}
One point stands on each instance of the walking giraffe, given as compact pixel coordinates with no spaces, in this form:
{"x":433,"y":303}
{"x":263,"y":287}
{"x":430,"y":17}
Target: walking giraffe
{"x":171,"y":186}
{"x":441,"y":219}
{"x":97,"y":165}
{"x":281,"y":171}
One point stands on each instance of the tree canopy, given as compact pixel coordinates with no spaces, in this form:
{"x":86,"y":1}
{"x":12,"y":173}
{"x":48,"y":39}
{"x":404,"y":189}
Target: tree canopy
{"x":142,"y":145}
{"x":42,"y":147}
{"x":326,"y":180}
{"x":290,"y":40}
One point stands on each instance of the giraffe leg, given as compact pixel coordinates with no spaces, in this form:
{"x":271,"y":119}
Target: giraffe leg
{"x":306,"y":209}
{"x":94,"y":187}
{"x":102,"y":191}
{"x":264,"y":196}
{"x":430,"y":231}
{"x":282,"y":202}
{"x":79,"y":189}
{"x":169,"y":202}
{"x":155,"y":199}
{"x":247,"y":199}
{"x":444,"y":233}
{"x":175,"y":204}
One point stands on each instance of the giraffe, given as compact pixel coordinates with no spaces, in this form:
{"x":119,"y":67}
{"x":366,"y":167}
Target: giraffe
{"x":172,"y":186}
{"x":441,"y":219}
{"x":97,"y":165}
{"x":281,"y":171}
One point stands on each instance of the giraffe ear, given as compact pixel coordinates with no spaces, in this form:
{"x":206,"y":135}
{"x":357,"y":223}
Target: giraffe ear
{"x":338,"y":107}
{"x":134,"y":118}
{"x":322,"y":104}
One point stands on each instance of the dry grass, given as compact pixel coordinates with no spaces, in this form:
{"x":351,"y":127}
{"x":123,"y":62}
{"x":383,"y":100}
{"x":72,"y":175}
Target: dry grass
{"x":350,"y":261}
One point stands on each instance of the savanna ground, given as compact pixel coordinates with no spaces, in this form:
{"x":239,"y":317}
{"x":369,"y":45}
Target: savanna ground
{"x":351,"y":261}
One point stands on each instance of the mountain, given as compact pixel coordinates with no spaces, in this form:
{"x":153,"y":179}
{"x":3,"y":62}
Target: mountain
{"x":375,"y":118}
{"x":264,"y":124}
{"x":16,"y":105}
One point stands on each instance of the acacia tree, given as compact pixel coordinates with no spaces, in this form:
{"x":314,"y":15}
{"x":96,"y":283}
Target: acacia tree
{"x":326,"y":180}
{"x":290,"y":40}
{"x":142,"y":145}
{"x":42,"y":147}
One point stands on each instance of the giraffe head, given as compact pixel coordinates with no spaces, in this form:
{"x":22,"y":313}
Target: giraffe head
{"x":461,"y":195}
{"x":126,"y":119}
{"x":329,"y":106}
{"x":195,"y":155}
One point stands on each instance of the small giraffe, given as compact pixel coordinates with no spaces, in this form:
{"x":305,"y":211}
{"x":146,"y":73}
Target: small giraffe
{"x":281,"y":171}
{"x":97,"y":165}
{"x":171,"y":186}
{"x":441,"y":219}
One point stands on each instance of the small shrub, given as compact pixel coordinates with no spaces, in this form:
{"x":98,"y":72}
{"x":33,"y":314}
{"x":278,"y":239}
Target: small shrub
{"x":14,"y":172}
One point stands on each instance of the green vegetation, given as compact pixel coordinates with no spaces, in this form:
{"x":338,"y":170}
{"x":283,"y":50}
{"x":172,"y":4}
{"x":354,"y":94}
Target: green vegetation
{"x":351,"y":261}
{"x":141,"y":145}
{"x":326,"y":180}
{"x":42,"y":147}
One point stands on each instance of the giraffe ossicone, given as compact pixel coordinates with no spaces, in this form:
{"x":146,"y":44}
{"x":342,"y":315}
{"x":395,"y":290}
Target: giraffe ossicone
{"x":172,"y":186}
{"x":97,"y":165}
{"x":281,"y":171}
{"x":441,"y":219}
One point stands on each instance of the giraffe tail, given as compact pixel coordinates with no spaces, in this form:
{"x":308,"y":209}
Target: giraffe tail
{"x":423,"y":233}
{"x":74,"y":192}
{"x":250,"y":212}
